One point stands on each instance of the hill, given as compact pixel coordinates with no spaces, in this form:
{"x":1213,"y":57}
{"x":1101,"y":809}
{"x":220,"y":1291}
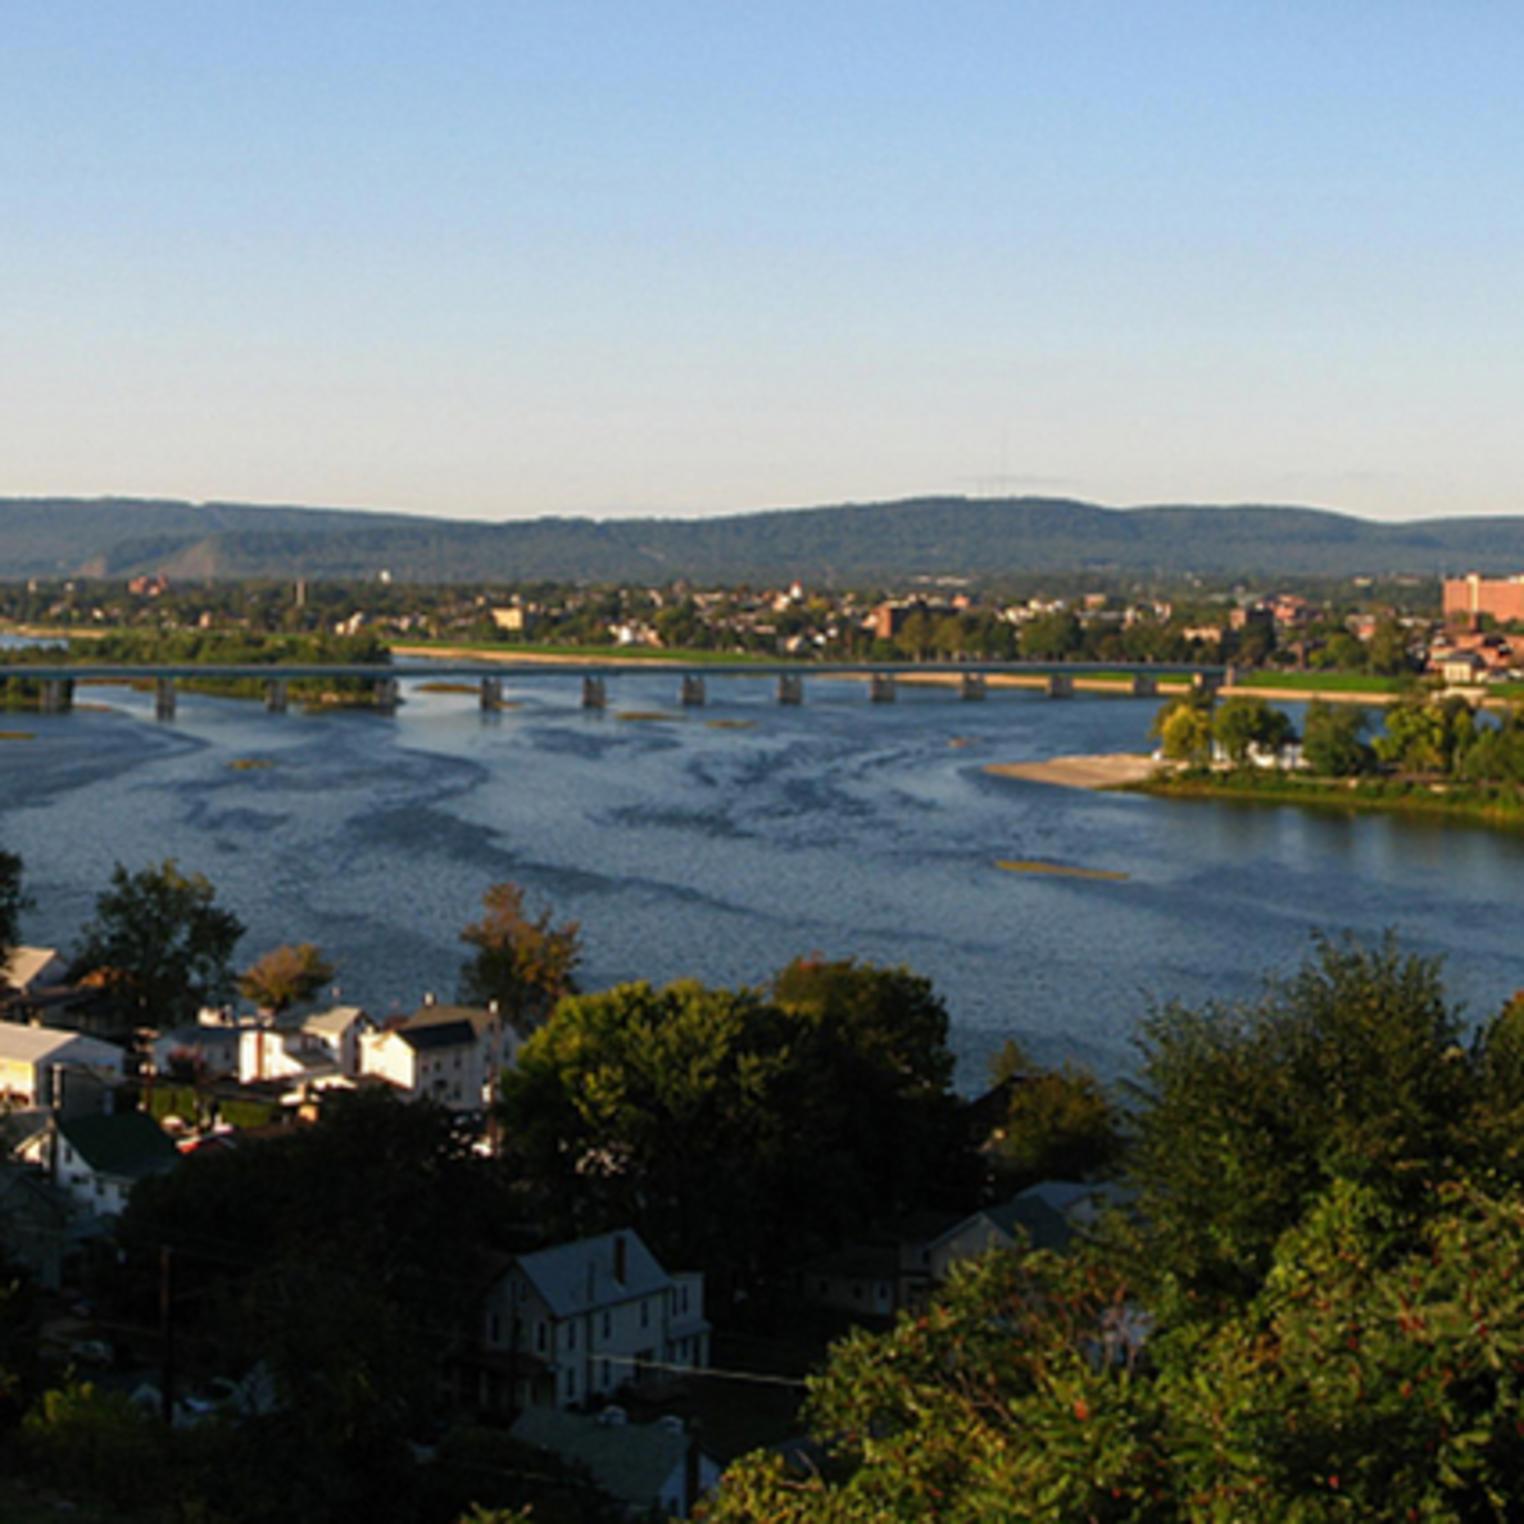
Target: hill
{"x":847,"y":543}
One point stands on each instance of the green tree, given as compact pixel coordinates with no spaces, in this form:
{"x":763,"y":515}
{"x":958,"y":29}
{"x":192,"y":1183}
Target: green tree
{"x":1060,"y":1123}
{"x":1351,"y":1069}
{"x":1331,"y":740}
{"x":524,"y":965}
{"x":285,"y":976}
{"x":159,"y":943}
{"x":1050,"y":637}
{"x":1426,"y":735}
{"x":1241,"y":723}
{"x":1186,"y":735}
{"x":12,"y":902}
{"x":1388,"y":650}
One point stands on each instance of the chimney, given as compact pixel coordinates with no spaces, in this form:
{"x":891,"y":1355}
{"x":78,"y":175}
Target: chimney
{"x":429,"y":998}
{"x":619,"y":1258}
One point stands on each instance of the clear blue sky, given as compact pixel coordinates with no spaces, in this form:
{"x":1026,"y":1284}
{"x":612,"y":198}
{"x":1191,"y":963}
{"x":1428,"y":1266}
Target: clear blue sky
{"x":546,"y":256}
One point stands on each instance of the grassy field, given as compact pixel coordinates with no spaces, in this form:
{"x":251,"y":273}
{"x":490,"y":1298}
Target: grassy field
{"x":1326,"y":682}
{"x":506,"y":651}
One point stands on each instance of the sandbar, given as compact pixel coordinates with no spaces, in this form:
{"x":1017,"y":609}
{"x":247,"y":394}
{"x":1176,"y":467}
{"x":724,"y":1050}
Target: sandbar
{"x":1111,"y":770}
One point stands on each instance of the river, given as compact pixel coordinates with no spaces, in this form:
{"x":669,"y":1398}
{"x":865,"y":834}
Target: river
{"x":720,"y":850}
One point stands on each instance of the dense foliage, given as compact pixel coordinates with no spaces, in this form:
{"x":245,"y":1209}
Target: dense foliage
{"x":159,"y":945}
{"x":1315,"y":1312}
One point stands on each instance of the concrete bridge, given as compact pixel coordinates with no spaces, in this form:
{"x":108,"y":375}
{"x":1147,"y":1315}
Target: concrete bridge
{"x":1057,"y":679}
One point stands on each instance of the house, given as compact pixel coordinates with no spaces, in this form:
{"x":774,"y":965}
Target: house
{"x":337,"y":1033}
{"x":1461,"y":668}
{"x":26,"y":970}
{"x":449,"y":1053}
{"x":650,"y":1469}
{"x":41,"y":1066}
{"x":576,"y":1322}
{"x":37,"y":1222}
{"x":199,"y":1048}
{"x":98,"y":1159}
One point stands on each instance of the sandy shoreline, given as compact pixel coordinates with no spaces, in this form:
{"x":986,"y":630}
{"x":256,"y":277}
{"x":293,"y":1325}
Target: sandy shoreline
{"x":1110,"y":770}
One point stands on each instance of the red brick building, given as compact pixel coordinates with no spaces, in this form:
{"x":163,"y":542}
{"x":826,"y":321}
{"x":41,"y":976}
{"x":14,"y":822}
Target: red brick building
{"x":1469,"y":597}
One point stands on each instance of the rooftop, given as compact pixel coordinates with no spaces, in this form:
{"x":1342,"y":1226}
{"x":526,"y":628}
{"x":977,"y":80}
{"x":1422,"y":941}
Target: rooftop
{"x":128,"y":1144}
{"x":574,"y":1277}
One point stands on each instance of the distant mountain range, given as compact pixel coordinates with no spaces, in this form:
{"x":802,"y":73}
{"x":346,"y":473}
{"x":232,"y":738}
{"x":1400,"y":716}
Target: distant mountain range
{"x":851,"y":543}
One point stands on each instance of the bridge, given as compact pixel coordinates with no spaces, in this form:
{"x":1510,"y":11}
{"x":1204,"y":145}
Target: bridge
{"x":1057,"y":679}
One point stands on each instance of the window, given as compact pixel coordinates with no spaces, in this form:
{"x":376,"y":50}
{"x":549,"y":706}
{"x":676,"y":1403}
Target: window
{"x":497,"y":1329}
{"x":571,"y":1335}
{"x":605,"y":1374}
{"x":571,"y":1382}
{"x":608,"y":1323}
{"x":645,"y":1312}
{"x":539,"y":1336}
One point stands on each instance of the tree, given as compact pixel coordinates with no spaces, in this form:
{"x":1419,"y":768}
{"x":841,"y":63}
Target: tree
{"x":1351,"y":1069}
{"x":159,"y":942}
{"x":1388,"y":650}
{"x":1426,"y":735}
{"x":285,"y":976}
{"x":1242,"y":723}
{"x":1060,"y":1123}
{"x":1331,"y":740}
{"x":524,"y":965}
{"x":12,"y":902}
{"x":1186,"y":734}
{"x":1050,"y":637}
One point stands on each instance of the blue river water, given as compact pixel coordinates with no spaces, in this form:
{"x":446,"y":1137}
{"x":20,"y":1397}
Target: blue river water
{"x":687,"y":847}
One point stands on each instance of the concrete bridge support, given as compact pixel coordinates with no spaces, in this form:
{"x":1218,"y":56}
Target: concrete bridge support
{"x":164,"y":698}
{"x":277,"y":695}
{"x":790,"y":688}
{"x":1205,"y":682}
{"x":594,"y":693}
{"x":1060,"y":685}
{"x":1145,"y":685}
{"x":492,"y":694}
{"x":57,"y":695}
{"x":881,"y":688}
{"x":387,"y":694}
{"x":1230,"y":676}
{"x":692,"y":692}
{"x":974,"y":686}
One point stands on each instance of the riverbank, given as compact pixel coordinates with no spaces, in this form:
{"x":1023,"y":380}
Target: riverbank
{"x":1477,"y":804}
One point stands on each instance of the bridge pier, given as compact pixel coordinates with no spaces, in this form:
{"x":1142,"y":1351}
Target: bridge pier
{"x":1206,"y":682}
{"x":277,"y":695}
{"x":1230,"y":676}
{"x":1060,"y":685}
{"x":692,"y":692}
{"x":57,"y":695}
{"x":881,"y":688}
{"x":1145,"y":685}
{"x":164,"y":698}
{"x":790,"y":688}
{"x":973,"y":687}
{"x":386,"y":692}
{"x":594,"y":693}
{"x":492,"y":693}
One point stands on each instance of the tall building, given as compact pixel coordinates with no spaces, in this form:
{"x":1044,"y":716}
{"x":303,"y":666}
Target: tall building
{"x":1468,"y":598}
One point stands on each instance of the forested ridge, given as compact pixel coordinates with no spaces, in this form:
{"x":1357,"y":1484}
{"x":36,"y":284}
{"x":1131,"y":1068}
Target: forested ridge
{"x":841,"y":544}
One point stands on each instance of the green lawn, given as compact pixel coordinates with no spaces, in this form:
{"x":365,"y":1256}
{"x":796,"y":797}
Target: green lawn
{"x":509,"y":649}
{"x":1326,"y":682}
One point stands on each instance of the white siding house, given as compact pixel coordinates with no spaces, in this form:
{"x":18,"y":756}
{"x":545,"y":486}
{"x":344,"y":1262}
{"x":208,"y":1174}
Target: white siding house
{"x":37,"y":1062}
{"x":574,"y":1323}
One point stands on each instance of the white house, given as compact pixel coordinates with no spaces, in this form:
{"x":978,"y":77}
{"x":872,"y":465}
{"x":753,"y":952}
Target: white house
{"x":37,"y":1063}
{"x":576,"y":1322}
{"x":98,"y":1159}
{"x":449,"y":1053}
{"x":337,"y":1033}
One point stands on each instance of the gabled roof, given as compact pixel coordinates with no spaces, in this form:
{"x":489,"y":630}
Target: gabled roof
{"x":574,"y":1277}
{"x":447,"y":1034}
{"x":333,"y":1023}
{"x":24,"y":964}
{"x":631,"y":1462}
{"x":439,"y":1015}
{"x":42,"y":1045}
{"x":128,"y":1144}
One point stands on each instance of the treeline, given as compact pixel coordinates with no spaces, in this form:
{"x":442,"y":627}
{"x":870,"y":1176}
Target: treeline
{"x":1313,"y":1311}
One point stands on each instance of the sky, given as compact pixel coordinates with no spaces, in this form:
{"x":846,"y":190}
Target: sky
{"x":522,"y":257}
